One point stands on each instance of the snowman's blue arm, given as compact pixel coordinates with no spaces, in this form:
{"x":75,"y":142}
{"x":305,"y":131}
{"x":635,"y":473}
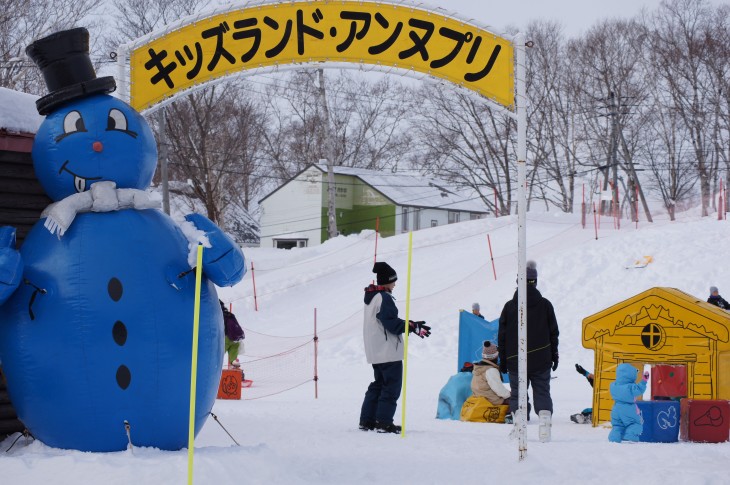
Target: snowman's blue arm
{"x":11,"y":264}
{"x":223,"y":263}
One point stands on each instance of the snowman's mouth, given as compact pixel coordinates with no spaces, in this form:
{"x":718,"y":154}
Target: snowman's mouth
{"x":80,"y":182}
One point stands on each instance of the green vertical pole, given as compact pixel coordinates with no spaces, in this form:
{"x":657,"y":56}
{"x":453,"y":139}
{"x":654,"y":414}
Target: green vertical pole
{"x":194,"y":364}
{"x":405,"y":347}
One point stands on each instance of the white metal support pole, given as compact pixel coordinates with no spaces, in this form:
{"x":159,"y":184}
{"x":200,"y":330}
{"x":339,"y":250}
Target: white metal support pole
{"x":521,"y":102}
{"x":122,"y":84}
{"x":162,"y":157}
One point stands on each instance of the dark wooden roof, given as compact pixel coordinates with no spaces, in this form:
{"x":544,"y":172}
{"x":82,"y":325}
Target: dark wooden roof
{"x":22,"y":199}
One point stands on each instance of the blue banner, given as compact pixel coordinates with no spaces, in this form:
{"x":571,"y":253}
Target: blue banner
{"x":473,"y":331}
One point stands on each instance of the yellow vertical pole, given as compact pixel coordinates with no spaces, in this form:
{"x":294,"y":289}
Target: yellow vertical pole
{"x":194,"y":364}
{"x":405,"y":346}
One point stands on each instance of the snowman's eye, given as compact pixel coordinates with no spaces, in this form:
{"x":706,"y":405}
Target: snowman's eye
{"x":72,"y":123}
{"x":116,"y":121}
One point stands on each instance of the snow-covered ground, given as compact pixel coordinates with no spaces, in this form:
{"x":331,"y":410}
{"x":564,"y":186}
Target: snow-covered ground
{"x":293,"y":438}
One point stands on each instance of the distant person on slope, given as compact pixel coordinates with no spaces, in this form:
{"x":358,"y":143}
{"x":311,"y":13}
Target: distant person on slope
{"x":716,"y":299}
{"x":475,"y":310}
{"x":542,"y":345}
{"x":233,"y":336}
{"x":382,"y":330}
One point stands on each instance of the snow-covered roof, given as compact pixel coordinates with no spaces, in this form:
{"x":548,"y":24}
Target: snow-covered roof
{"x":412,"y":190}
{"x":409,"y":190}
{"x":18,"y":113}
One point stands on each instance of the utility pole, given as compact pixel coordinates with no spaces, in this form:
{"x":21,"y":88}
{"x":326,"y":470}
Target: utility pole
{"x":329,"y":150}
{"x":611,"y":154}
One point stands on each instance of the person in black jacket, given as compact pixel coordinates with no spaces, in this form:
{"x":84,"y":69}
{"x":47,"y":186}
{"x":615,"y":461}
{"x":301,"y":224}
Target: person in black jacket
{"x":716,"y":299}
{"x":542,"y":344}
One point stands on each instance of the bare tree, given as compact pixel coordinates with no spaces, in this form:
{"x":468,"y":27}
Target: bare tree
{"x":718,"y":60}
{"x":681,"y":29}
{"x":364,"y":118}
{"x":466,"y":142}
{"x":215,"y":137}
{"x":611,"y":90}
{"x":666,"y":152}
{"x":135,"y":18}
{"x":22,"y":22}
{"x":551,"y":140}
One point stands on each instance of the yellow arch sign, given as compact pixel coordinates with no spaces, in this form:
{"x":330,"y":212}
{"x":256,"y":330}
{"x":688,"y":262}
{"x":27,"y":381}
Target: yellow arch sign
{"x":276,"y":34}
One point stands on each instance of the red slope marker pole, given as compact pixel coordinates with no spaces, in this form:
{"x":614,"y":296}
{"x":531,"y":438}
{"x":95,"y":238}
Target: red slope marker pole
{"x":491,"y":256}
{"x":316,"y":342}
{"x":253,"y":278}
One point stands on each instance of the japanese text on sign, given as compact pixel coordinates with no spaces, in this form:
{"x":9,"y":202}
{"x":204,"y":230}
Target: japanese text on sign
{"x":384,"y":34}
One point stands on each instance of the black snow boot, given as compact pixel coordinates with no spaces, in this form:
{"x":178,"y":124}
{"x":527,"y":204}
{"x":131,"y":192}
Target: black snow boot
{"x":387,"y":428}
{"x":367,"y":425}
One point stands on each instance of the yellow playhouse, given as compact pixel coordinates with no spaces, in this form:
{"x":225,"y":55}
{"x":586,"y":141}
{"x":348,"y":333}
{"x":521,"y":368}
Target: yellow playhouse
{"x":660,"y":326}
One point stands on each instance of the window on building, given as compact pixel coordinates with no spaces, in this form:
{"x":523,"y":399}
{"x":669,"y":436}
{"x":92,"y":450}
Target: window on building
{"x":453,"y":217}
{"x":434,"y":223}
{"x":473,"y":216}
{"x":404,"y":220}
{"x":416,"y":219}
{"x":290,"y":243}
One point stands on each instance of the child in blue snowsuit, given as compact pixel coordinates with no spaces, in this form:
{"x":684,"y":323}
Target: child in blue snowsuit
{"x":625,"y":417}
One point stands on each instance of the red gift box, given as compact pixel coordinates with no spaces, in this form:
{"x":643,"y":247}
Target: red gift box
{"x":705,"y":421}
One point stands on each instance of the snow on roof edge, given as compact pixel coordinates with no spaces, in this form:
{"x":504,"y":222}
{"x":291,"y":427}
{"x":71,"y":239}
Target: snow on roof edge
{"x":18,"y":112}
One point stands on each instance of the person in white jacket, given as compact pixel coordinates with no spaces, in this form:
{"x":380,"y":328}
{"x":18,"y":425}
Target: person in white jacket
{"x":486,"y":380}
{"x":382,"y":330}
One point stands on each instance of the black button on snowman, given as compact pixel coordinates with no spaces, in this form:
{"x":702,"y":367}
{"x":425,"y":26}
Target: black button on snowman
{"x":95,"y":321}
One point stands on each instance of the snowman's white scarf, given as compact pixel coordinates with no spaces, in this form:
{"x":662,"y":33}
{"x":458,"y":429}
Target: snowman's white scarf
{"x":103,"y":197}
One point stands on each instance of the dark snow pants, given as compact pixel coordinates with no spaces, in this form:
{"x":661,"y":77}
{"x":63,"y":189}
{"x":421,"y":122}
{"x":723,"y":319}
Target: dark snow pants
{"x":540,"y":382}
{"x":382,"y":395}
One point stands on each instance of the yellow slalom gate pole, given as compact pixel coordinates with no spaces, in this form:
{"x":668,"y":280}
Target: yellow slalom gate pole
{"x":405,"y":347}
{"x":194,"y":364}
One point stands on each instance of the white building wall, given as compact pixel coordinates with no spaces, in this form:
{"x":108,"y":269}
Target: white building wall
{"x":294,"y":211}
{"x":426,"y":218}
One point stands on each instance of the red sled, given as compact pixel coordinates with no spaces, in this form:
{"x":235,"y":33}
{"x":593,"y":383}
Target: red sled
{"x":246,"y":383}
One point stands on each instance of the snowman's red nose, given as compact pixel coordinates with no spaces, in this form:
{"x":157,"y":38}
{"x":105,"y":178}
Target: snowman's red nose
{"x":97,"y":146}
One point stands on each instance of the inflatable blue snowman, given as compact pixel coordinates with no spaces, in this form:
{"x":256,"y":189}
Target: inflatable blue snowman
{"x":96,"y":321}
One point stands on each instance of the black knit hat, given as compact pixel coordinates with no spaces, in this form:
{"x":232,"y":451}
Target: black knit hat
{"x":531,"y":273}
{"x":63,"y":58}
{"x":385,"y":273}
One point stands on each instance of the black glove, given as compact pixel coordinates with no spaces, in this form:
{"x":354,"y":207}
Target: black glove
{"x":581,"y":370}
{"x":419,"y":328}
{"x":555,"y":361}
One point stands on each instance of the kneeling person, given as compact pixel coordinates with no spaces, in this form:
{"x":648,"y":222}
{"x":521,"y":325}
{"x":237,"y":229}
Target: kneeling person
{"x":486,"y":380}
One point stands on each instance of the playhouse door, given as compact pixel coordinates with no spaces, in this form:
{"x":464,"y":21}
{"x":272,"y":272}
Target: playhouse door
{"x":668,"y":382}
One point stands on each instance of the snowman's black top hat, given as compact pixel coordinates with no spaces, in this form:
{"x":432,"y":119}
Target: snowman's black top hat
{"x":63,"y":58}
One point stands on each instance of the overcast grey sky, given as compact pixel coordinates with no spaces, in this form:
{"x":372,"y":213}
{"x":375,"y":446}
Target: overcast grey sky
{"x":577,"y":16}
